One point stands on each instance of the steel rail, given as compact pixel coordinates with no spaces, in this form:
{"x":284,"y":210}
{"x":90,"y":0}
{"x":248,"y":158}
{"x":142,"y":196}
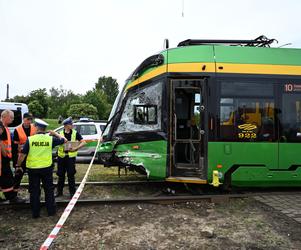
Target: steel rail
{"x":158,"y":199}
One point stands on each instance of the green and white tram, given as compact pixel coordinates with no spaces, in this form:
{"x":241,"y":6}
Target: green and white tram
{"x":211,"y":112}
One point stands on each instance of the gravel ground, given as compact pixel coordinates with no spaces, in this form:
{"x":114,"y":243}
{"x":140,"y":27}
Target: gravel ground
{"x":238,"y":224}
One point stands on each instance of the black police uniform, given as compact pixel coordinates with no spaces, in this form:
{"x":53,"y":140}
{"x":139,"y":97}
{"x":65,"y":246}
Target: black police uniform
{"x":46,"y":176}
{"x":67,"y":165}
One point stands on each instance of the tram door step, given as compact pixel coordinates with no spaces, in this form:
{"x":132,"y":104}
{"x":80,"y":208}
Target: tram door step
{"x":182,"y":169}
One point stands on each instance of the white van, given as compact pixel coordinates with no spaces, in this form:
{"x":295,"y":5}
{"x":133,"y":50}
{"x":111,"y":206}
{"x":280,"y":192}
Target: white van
{"x":18,"y":108}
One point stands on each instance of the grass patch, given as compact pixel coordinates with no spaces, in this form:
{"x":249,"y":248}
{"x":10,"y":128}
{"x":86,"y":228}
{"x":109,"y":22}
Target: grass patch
{"x":98,"y":173}
{"x":53,"y":124}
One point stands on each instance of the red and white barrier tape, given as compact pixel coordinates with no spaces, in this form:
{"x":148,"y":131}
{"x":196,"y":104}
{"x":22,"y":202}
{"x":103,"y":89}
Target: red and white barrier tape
{"x":69,"y":207}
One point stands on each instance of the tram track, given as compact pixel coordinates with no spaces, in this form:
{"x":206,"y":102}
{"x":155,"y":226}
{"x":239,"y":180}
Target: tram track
{"x":164,"y":199}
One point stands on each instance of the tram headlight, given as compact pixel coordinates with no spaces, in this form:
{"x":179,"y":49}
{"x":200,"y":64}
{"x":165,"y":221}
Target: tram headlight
{"x":220,"y":175}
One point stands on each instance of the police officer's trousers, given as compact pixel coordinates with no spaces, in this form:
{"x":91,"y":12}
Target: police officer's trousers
{"x":7,"y":180}
{"x":66,"y":165}
{"x":35,"y":177}
{"x":19,"y":175}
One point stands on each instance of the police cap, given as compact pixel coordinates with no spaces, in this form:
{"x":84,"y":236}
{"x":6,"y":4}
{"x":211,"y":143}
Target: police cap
{"x":68,"y":121}
{"x":40,"y":123}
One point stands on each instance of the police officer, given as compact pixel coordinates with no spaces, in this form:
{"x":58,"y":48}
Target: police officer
{"x":20,"y":136}
{"x":6,"y":175}
{"x":66,"y":158}
{"x":38,"y":149}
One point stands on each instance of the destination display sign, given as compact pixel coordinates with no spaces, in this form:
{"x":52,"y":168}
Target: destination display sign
{"x":292,"y":87}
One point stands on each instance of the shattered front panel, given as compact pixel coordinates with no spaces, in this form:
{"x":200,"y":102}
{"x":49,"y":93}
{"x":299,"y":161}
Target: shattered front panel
{"x":150,"y":95}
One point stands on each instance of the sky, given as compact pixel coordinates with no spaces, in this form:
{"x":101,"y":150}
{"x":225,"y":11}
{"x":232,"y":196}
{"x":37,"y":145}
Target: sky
{"x":71,"y":43}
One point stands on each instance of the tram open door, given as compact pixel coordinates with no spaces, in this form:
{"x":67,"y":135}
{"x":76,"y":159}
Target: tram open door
{"x":188,"y":131}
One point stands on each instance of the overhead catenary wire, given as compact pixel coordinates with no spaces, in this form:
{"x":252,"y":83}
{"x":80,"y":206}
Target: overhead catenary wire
{"x":283,"y":45}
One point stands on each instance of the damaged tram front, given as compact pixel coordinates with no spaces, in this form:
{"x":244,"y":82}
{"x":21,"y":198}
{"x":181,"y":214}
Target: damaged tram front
{"x":136,"y":135}
{"x":155,"y":124}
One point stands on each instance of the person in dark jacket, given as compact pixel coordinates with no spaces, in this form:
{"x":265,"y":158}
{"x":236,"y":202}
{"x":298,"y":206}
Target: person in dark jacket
{"x":21,"y":134}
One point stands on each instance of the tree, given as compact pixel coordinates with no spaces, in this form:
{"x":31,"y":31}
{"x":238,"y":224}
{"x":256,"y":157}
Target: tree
{"x":82,"y":110}
{"x":41,"y":96}
{"x":36,"y":109}
{"x":109,"y":86}
{"x":60,"y":101}
{"x":99,"y":100}
{"x":20,"y":99}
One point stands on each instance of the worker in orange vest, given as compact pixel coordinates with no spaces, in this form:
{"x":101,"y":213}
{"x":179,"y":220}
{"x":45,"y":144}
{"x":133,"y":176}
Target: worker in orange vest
{"x":7,"y":178}
{"x":21,"y":134}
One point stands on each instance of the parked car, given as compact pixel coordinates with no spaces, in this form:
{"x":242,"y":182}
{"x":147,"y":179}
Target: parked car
{"x":91,"y":131}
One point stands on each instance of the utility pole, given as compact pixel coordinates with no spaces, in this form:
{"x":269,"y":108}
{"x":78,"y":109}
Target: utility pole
{"x":7,"y":91}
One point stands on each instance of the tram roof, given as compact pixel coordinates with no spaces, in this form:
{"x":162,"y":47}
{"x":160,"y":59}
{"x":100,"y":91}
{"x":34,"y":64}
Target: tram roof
{"x":220,"y":57}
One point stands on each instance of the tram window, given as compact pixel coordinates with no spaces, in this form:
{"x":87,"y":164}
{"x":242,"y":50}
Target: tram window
{"x":145,"y":114}
{"x":197,"y":98}
{"x":226,"y":109}
{"x":247,"y":112}
{"x":142,"y":111}
{"x":291,"y":117}
{"x":152,"y":115}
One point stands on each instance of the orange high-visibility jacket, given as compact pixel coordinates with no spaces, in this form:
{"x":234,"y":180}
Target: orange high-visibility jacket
{"x":22,"y":135}
{"x":7,"y":144}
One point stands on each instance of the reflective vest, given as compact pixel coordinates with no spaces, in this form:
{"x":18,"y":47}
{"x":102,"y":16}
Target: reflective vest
{"x":7,"y":144}
{"x":21,"y":133}
{"x":61,"y":153}
{"x":40,"y":151}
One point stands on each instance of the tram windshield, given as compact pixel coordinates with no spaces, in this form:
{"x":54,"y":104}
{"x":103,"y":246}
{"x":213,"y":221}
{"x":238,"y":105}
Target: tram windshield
{"x":142,"y":109}
{"x":113,"y":113}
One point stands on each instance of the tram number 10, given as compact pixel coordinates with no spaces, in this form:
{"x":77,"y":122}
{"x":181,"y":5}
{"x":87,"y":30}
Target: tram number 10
{"x":288,"y":87}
